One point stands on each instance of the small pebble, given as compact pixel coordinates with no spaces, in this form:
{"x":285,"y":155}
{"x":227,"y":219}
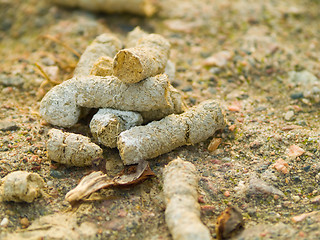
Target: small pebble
{"x":289,"y":115}
{"x":11,"y":80}
{"x":8,"y":126}
{"x":296,"y":198}
{"x":234,"y":108}
{"x":258,"y":187}
{"x":24,"y":222}
{"x":303,"y":216}
{"x":56,"y":174}
{"x":4,"y":222}
{"x":296,"y":95}
{"x":50,"y":183}
{"x":295,"y":151}
{"x":214,"y":144}
{"x":315,"y":199}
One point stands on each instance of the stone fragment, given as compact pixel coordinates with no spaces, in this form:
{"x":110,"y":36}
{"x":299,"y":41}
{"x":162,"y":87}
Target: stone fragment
{"x":306,"y":84}
{"x":195,"y":125}
{"x":180,"y":184}
{"x":303,"y":216}
{"x":6,"y":125}
{"x":71,"y":149}
{"x":289,"y":115}
{"x":107,"y":124}
{"x":295,"y":151}
{"x":13,"y":81}
{"x":4,"y":222}
{"x":260,"y":187}
{"x":21,"y":186}
{"x":219,"y":59}
{"x":281,"y":166}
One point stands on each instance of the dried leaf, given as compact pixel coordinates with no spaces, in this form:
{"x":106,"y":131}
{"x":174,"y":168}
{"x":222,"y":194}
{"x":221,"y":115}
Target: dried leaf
{"x":228,"y":223}
{"x":134,"y":174}
{"x":89,"y":184}
{"x":97,"y":180}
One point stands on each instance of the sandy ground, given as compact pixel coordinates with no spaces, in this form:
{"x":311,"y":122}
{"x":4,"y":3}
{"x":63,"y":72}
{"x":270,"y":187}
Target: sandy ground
{"x":269,"y":113}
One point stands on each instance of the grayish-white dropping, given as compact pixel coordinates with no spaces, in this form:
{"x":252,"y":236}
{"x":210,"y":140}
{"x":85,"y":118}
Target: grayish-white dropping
{"x":107,"y":124}
{"x":71,"y":149}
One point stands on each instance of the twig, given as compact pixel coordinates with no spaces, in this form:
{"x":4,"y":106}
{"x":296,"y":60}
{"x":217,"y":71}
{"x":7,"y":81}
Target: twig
{"x":62,"y":43}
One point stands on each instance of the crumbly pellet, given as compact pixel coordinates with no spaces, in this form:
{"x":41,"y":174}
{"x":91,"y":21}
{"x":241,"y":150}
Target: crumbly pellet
{"x":181,"y":197}
{"x":132,"y":40}
{"x":179,"y":106}
{"x":71,"y":149}
{"x":21,"y":186}
{"x":146,"y":59}
{"x":102,"y":67}
{"x":61,"y":105}
{"x":108,"y":92}
{"x":107,"y":124}
{"x":159,"y":137}
{"x":105,"y":45}
{"x":139,"y":7}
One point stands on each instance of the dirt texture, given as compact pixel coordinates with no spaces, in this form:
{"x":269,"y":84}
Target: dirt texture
{"x":259,"y":59}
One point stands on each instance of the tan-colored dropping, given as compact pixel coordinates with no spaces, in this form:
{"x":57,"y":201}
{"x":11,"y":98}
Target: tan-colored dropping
{"x":158,"y":137}
{"x":71,"y":149}
{"x":147,"y":59}
{"x":102,"y":67}
{"x":21,"y":186}
{"x":182,"y":215}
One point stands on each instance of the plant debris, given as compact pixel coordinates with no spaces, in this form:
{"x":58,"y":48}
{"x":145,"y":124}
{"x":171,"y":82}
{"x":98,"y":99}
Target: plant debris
{"x":95,"y":181}
{"x":229,"y":222}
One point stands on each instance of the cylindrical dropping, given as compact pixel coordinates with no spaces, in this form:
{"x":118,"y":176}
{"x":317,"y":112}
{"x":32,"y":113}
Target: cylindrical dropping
{"x":158,"y":137}
{"x":133,"y":39}
{"x":147,"y":59}
{"x":71,"y":149}
{"x":59,"y":107}
{"x":139,"y":7}
{"x":181,"y":197}
{"x":105,"y":45}
{"x":179,"y":106}
{"x":21,"y":186}
{"x":134,"y":36}
{"x":108,"y":92}
{"x":107,"y":124}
